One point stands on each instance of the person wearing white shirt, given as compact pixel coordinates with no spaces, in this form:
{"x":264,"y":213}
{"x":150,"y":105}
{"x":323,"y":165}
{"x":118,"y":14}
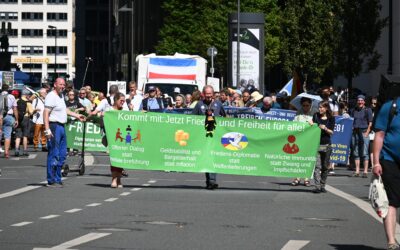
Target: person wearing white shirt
{"x":133,"y":98}
{"x":38,"y":109}
{"x":55,"y":117}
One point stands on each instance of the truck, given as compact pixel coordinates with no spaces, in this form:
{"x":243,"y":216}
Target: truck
{"x":182,"y":72}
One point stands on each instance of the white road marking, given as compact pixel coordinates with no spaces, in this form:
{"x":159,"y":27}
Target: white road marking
{"x":146,"y":185}
{"x":18,"y":191}
{"x":78,"y":241}
{"x":365,"y":206}
{"x":295,"y":244}
{"x":125,"y":193}
{"x":1,"y":230}
{"x":111,"y":199}
{"x":74,"y":210}
{"x":136,"y":189}
{"x":51,"y":216}
{"x":21,"y":224}
{"x":152,"y":181}
{"x":23,"y":190}
{"x":93,"y":205}
{"x":30,"y":157}
{"x":89,"y":159}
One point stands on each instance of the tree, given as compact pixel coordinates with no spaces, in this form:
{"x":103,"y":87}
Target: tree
{"x":361,"y":29}
{"x":310,"y":30}
{"x":193,"y":26}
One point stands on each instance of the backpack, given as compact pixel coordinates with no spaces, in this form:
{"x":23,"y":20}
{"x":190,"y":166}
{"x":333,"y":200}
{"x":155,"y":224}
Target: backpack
{"x":21,"y":108}
{"x":3,"y":105}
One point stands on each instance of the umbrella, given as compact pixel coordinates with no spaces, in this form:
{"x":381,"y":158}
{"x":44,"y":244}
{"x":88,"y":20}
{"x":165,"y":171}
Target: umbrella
{"x":315,"y":101}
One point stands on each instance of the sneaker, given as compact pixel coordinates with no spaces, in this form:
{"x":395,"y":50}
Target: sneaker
{"x":16,"y":153}
{"x":51,"y":185}
{"x":393,"y":246}
{"x":1,"y":150}
{"x":211,"y":186}
{"x":60,"y":185}
{"x":323,"y":190}
{"x":44,"y":149}
{"x":25,"y":154}
{"x":317,"y":191}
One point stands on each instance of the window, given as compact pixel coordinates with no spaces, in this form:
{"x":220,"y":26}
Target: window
{"x":32,"y":16}
{"x":59,"y":66}
{"x":8,"y":16}
{"x":57,"y":1}
{"x":57,"y":16}
{"x":8,"y":1}
{"x":60,"y":33}
{"x":13,"y":33}
{"x":32,"y":66}
{"x":32,"y":33}
{"x":32,"y":50}
{"x":13,"y":50}
{"x":61,"y":50}
{"x":32,"y":1}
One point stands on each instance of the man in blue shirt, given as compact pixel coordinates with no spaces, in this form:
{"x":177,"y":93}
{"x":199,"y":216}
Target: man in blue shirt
{"x":215,"y":106}
{"x":151,"y":102}
{"x":386,"y":153}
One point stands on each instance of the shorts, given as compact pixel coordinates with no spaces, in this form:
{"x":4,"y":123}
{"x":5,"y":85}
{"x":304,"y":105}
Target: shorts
{"x":360,"y":145}
{"x":23,"y":129}
{"x":391,"y":181}
{"x":8,"y":124}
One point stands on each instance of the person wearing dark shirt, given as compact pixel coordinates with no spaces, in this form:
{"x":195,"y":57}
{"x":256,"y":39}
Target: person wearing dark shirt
{"x":326,"y":122}
{"x":209,"y":104}
{"x":72,"y":103}
{"x":360,"y":139}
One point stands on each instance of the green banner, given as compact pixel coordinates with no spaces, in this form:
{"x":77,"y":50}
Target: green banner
{"x":74,"y":131}
{"x":156,"y":141}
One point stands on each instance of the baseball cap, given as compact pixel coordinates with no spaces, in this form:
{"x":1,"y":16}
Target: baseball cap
{"x":15,"y":92}
{"x":361,"y":97}
{"x":26,"y":92}
{"x":177,"y":90}
{"x":151,"y":88}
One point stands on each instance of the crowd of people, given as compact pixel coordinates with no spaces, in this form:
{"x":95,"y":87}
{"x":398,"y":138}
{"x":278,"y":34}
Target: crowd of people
{"x":41,"y":116}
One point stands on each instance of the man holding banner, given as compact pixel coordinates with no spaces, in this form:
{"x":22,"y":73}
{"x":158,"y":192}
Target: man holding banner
{"x":55,"y":117}
{"x":201,"y":108}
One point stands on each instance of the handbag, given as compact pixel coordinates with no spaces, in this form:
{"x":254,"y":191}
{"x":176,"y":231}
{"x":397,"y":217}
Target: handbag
{"x":378,"y":197}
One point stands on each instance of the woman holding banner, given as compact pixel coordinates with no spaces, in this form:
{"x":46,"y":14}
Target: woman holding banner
{"x":116,"y":173}
{"x":305,"y":114}
{"x":326,"y":122}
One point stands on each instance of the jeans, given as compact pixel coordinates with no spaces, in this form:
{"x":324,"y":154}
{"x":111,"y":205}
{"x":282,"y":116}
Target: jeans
{"x":57,"y":153}
{"x":321,"y":168}
{"x":360,"y":144}
{"x":8,"y":124}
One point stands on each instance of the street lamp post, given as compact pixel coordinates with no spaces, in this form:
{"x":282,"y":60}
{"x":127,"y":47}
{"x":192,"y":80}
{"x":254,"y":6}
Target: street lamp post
{"x":132,"y":11}
{"x":55,"y":49}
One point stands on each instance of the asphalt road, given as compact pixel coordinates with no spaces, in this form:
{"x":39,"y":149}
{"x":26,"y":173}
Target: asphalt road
{"x":167,"y":210}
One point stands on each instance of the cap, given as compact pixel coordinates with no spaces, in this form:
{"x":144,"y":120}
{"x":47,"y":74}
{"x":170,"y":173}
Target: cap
{"x":361,"y":97}
{"x":151,"y":88}
{"x":177,"y":90}
{"x":256,"y":96}
{"x":15,"y":92}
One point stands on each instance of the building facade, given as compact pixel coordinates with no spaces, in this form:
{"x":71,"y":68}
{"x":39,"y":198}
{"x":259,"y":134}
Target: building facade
{"x":42,"y":38}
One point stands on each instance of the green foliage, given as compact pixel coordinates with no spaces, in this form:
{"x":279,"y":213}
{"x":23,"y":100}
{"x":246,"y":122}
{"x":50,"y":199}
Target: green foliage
{"x":360,"y":31}
{"x":308,"y":36}
{"x":193,"y":26}
{"x":310,"y":33}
